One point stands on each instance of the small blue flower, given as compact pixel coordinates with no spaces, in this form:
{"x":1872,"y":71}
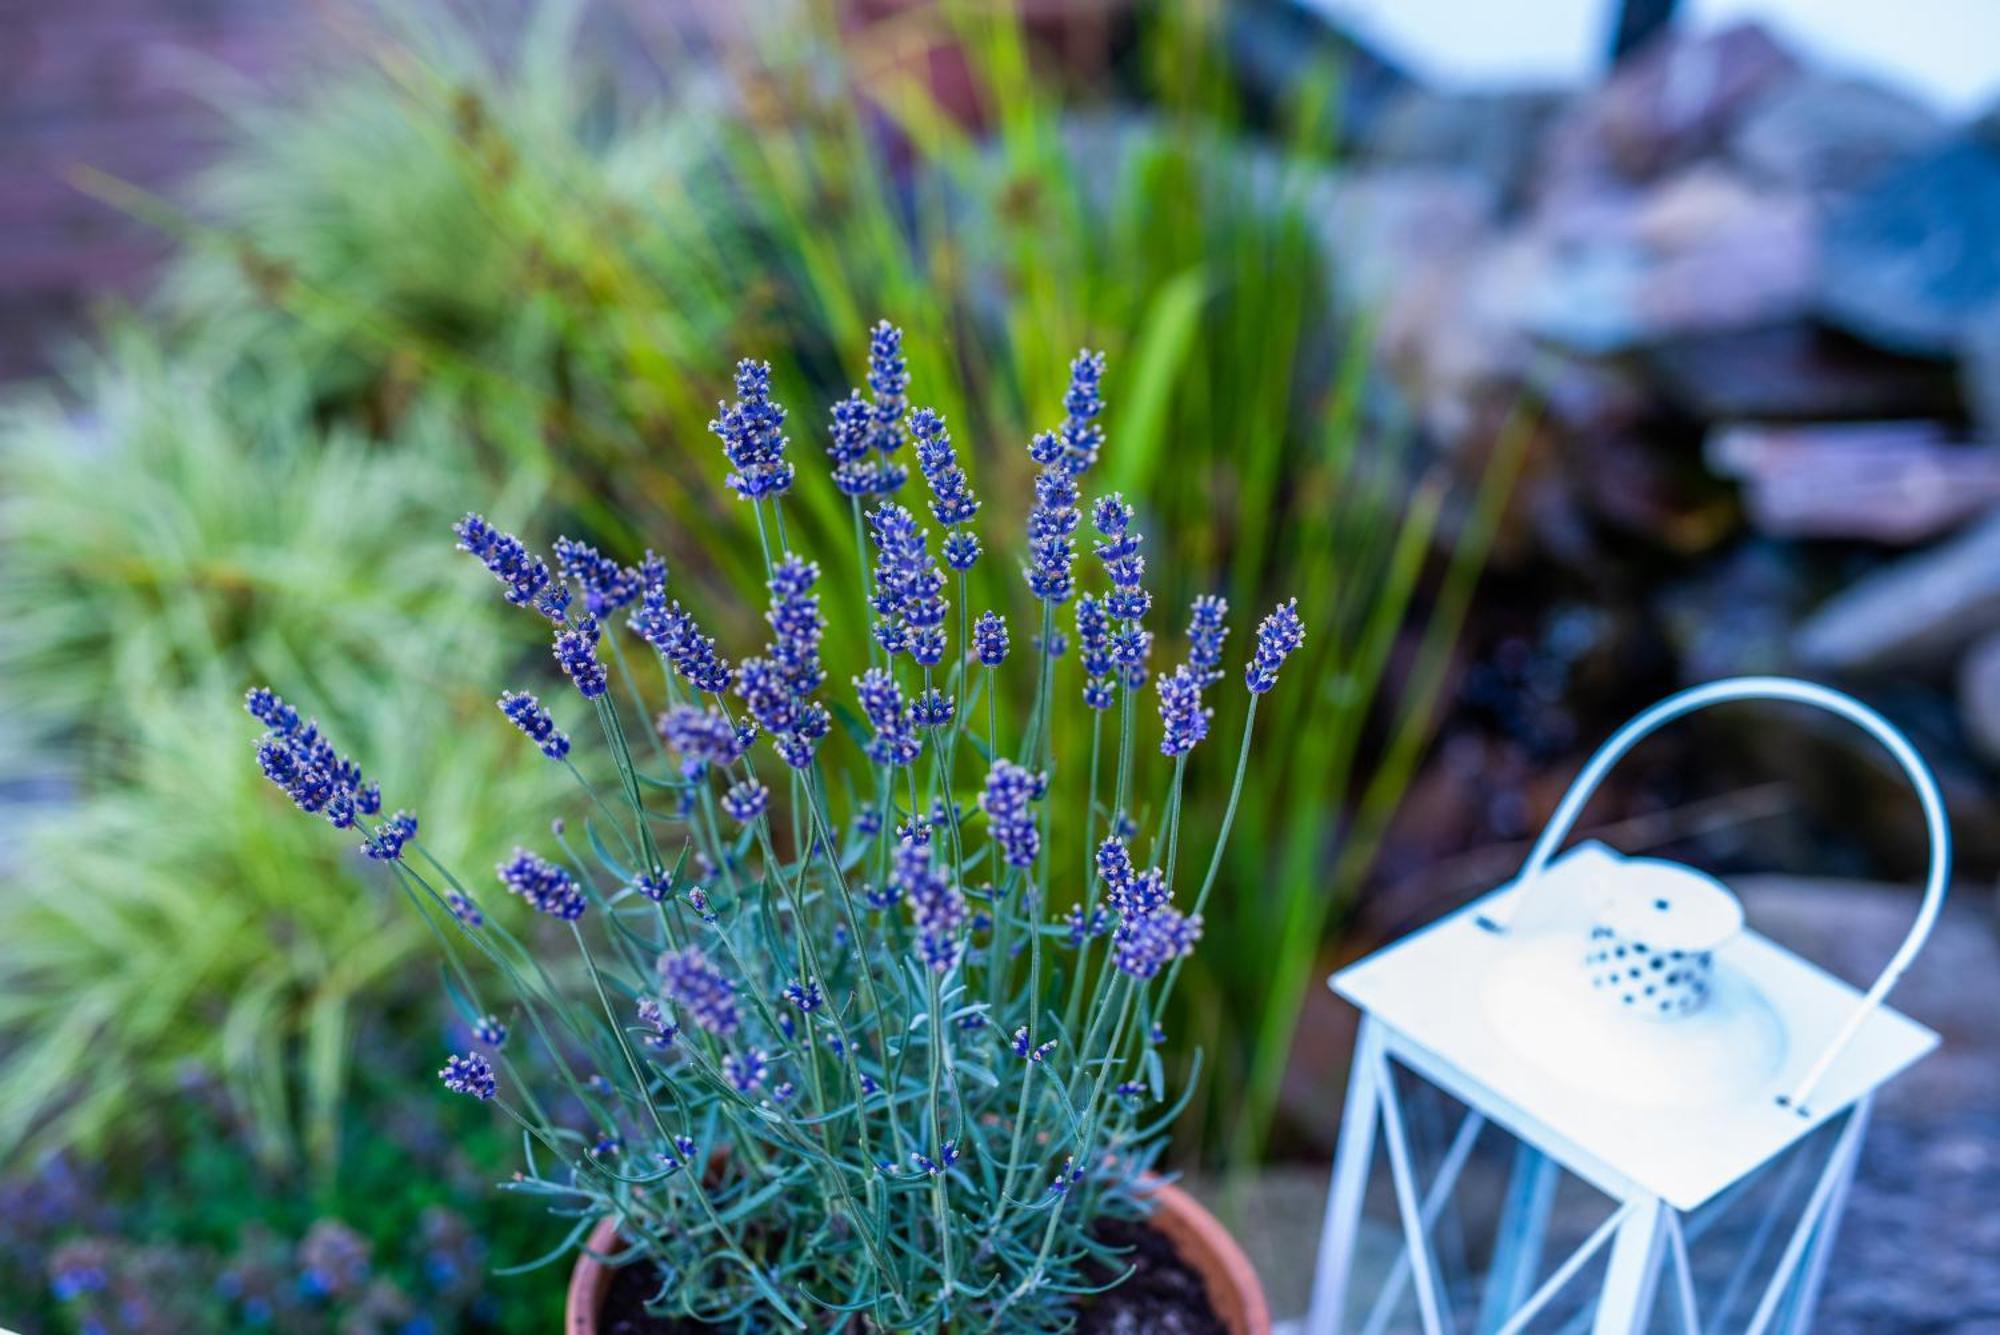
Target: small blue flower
{"x":1278,"y":636}
{"x":933,"y":709}
{"x":745,"y":801}
{"x":1009,"y":790}
{"x":471,"y":1074}
{"x":1029,"y":1051}
{"x":488,"y":1030}
{"x":1183,"y":717}
{"x":1066,"y":1177}
{"x":387,"y":843}
{"x":889,"y":382}
{"x":752,"y":432}
{"x":1052,"y":536}
{"x":464,"y":909}
{"x":576,"y":654}
{"x":674,"y":634}
{"x":606,"y":585}
{"x":937,"y":907}
{"x":266,"y":706}
{"x":989,"y":639}
{"x":895,"y":741}
{"x":806,"y":996}
{"x":1207,"y":629}
{"x":701,"y":737}
{"x":908,"y":599}
{"x":952,"y":501}
{"x":525,"y":712}
{"x":746,"y":1071}
{"x":698,"y":986}
{"x":547,"y":888}
{"x":1081,"y":437}
{"x":665,"y":1031}
{"x":947,"y":1155}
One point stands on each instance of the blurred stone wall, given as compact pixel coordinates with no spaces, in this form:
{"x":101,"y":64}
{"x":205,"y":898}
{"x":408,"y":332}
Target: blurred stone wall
{"x":104,"y":84}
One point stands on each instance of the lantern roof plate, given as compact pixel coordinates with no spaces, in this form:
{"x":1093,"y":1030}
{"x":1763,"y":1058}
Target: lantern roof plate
{"x":1430,"y":991}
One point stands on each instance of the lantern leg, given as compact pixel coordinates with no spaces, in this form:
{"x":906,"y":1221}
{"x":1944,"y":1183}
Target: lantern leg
{"x":1349,"y":1187}
{"x":1625,"y":1305}
{"x":1433,"y":1303}
{"x":1815,"y":1218}
{"x":1518,"y":1241}
{"x":1824,"y":1236}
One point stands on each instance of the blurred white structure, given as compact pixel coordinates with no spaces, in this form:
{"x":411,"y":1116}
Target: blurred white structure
{"x":1946,"y":52}
{"x":1608,"y":1024}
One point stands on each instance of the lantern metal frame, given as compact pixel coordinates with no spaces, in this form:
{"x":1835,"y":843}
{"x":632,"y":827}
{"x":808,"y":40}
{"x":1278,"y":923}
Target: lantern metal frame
{"x":1421,"y":1009}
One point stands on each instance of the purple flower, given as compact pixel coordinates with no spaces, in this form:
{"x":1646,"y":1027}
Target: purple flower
{"x":1093,"y":635}
{"x":776,"y":688}
{"x":547,"y":888}
{"x":664,"y":1030}
{"x":933,"y":709}
{"x":471,"y":1074}
{"x":895,"y":741}
{"x":752,"y":432}
{"x":464,"y":909}
{"x":947,"y":1155}
{"x":1183,"y":717}
{"x":268,"y":708}
{"x":806,"y":996}
{"x":387,"y":843}
{"x":1082,"y":926}
{"x":1066,"y":1177}
{"x":1081,"y":437}
{"x":746,"y":1071}
{"x":745,"y":801}
{"x":606,"y":585}
{"x":937,"y":907}
{"x":1144,"y":945}
{"x":674,"y":634}
{"x":908,"y":599}
{"x":523,"y":575}
{"x":525,"y":712}
{"x":1027,"y":1051}
{"x":989,"y":639}
{"x":576,"y":655}
{"x":1207,"y":630}
{"x":952,"y":501}
{"x":889,"y":382}
{"x":1009,"y":790}
{"x":488,"y":1030}
{"x":1051,"y":536}
{"x":701,"y":737}
{"x":1278,"y":636}
{"x":699,"y":987}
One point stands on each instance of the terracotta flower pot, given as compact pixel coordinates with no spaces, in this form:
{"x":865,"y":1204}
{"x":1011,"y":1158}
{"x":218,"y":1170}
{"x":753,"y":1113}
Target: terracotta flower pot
{"x":1197,"y":1236}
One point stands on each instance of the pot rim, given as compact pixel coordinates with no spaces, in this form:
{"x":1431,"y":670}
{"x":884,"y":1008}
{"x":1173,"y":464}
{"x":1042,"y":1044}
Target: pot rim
{"x":1197,"y":1236}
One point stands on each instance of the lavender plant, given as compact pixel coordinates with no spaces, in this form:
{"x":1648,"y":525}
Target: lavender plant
{"x":834,"y":1052}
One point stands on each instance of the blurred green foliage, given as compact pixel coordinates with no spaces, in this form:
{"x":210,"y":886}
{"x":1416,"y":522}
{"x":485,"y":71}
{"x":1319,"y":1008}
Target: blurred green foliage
{"x":188,"y":533}
{"x":451,"y":271}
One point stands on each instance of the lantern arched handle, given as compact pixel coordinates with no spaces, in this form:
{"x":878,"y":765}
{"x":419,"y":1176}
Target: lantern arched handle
{"x":1802,"y":692}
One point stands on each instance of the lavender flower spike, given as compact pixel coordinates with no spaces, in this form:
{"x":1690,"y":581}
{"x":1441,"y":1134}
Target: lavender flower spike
{"x":471,"y":1074}
{"x":1278,"y":636}
{"x":674,"y":634}
{"x":1081,"y":437}
{"x":752,"y":432}
{"x":895,"y":741}
{"x":547,"y":888}
{"x":1183,"y":716}
{"x":523,"y":575}
{"x":1009,"y":790}
{"x":952,"y":502}
{"x":1206,"y":632}
{"x":889,"y":382}
{"x":700,"y":989}
{"x":575,"y":649}
{"x":937,"y":907}
{"x":525,"y":712}
{"x":989,"y":639}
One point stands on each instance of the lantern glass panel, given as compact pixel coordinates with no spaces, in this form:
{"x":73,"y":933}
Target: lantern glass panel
{"x":1737,"y":1241}
{"x":1500,"y":1218}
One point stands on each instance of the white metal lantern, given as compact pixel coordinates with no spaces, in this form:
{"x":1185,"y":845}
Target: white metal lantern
{"x":1675,"y":1101}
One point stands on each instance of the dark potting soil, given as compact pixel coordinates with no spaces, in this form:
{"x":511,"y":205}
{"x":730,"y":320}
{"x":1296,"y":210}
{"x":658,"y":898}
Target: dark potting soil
{"x":1164,"y":1296}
